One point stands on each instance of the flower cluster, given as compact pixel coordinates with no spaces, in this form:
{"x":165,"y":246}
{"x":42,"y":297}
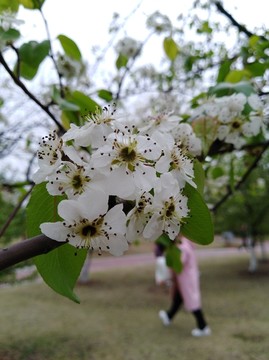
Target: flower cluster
{"x":237,"y":117}
{"x":128,"y":47}
{"x":159,"y":22}
{"x":119,"y":181}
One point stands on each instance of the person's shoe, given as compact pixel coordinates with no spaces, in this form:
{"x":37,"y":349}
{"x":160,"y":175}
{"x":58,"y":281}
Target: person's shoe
{"x":201,"y":332}
{"x":164,"y":317}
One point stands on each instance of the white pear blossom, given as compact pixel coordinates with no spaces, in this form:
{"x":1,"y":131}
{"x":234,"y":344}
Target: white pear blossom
{"x":111,"y":157}
{"x":258,"y":117}
{"x":49,"y":156}
{"x":228,"y":113}
{"x":87,"y":224}
{"x":96,"y":129}
{"x":230,"y":107}
{"x":168,"y":209}
{"x":174,"y":160}
{"x":163,"y":122}
{"x":185,"y":136}
{"x":127,"y":159}
{"x":128,"y":47}
{"x":231,"y":132}
{"x":137,"y":218}
{"x":159,"y":22}
{"x":73,"y":180}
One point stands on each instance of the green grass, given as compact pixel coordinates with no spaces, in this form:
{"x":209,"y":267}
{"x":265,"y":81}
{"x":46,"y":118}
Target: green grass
{"x":117,"y":318}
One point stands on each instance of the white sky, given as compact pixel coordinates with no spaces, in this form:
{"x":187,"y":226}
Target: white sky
{"x":86,"y":22}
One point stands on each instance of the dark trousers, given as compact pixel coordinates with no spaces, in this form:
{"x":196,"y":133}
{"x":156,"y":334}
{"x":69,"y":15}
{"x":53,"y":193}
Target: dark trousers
{"x":176,"y":304}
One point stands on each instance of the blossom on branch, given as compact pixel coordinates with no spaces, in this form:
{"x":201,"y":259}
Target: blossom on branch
{"x":168,"y":209}
{"x":108,"y":162}
{"x":87,"y":223}
{"x":233,"y":119}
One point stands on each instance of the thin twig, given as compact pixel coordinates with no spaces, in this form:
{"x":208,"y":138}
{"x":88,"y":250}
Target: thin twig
{"x":242,"y":180}
{"x":20,"y":84}
{"x":235,"y":23}
{"x":29,"y":167}
{"x":14,"y":212}
{"x":51,"y":53}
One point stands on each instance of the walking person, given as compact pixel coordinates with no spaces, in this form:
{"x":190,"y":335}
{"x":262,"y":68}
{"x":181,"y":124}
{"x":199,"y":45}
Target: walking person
{"x":186,"y":290}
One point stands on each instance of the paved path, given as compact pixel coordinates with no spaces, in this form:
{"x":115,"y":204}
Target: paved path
{"x":107,"y":262}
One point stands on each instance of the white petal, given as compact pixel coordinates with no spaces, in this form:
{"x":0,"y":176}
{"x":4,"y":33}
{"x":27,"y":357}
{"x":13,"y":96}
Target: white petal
{"x":93,"y":203}
{"x":117,"y":245}
{"x":145,"y":178}
{"x":116,"y":218}
{"x":172,"y":230}
{"x":69,"y":210}
{"x":153,"y":229}
{"x":162,"y":165}
{"x":121,"y":184}
{"x":55,"y":231}
{"x":255,"y":102}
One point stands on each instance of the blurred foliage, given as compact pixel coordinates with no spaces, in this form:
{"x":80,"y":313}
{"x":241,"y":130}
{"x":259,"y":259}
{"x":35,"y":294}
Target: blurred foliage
{"x":17,"y":228}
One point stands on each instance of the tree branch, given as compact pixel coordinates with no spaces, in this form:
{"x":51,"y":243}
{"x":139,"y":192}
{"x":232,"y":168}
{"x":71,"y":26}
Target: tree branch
{"x":51,"y":52}
{"x":242,"y":180}
{"x":20,"y":84}
{"x":27,"y":249}
{"x":240,"y":27}
{"x":14,"y":212}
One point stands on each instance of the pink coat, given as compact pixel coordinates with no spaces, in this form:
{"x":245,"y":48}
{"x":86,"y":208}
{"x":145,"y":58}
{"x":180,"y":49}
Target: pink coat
{"x":188,"y":280}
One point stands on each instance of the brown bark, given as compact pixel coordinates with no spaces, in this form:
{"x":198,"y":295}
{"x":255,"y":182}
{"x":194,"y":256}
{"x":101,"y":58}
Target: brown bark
{"x":27,"y":249}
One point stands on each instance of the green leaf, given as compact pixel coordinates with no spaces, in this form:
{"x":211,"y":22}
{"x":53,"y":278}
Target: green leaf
{"x":105,"y":94}
{"x":199,"y":226}
{"x":68,"y":117}
{"x":253,"y":40}
{"x":195,"y":102}
{"x":82,"y":105}
{"x":70,"y":47}
{"x":9,"y":36}
{"x":33,"y":52}
{"x":62,"y":102}
{"x":32,"y":4}
{"x":121,"y":61}
{"x":199,"y":176}
{"x":67,"y":105}
{"x":256,"y":68}
{"x":236,"y":76}
{"x":170,"y":48}
{"x":226,"y":88}
{"x":84,"y":102}
{"x":31,"y":55}
{"x":12,"y":5}
{"x":61,"y":267}
{"x":42,"y":207}
{"x":224,"y":70}
{"x":217,"y":172}
{"x":205,"y":28}
{"x":173,"y":258}
{"x":164,"y":240}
